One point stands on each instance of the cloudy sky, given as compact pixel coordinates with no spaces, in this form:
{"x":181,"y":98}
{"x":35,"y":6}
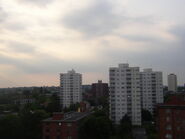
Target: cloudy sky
{"x":41,"y":38}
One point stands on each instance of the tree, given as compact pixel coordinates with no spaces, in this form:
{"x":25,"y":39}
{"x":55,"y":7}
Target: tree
{"x":54,"y":104}
{"x":72,"y":107}
{"x":125,"y":128}
{"x":96,"y":126}
{"x":31,"y":121}
{"x":151,"y":130}
{"x":146,"y":116}
{"x":10,"y":127}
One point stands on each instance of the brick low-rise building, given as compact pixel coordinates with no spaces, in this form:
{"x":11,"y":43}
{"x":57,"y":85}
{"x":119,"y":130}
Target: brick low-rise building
{"x":63,"y":125}
{"x":171,"y":118}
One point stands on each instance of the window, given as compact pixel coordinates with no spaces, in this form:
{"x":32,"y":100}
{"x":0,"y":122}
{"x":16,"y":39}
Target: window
{"x":168,"y":127}
{"x":168,"y":136}
{"x":47,"y":137}
{"x":168,"y":111}
{"x":69,"y":137}
{"x":167,"y":119}
{"x":58,"y":130}
{"x":69,"y":124}
{"x":58,"y":137}
{"x":178,"y":128}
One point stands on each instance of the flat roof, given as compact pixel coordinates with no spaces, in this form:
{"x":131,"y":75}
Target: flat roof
{"x":72,"y":117}
{"x":172,"y":106}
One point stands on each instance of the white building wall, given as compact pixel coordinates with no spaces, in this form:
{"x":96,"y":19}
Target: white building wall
{"x":125,"y":93}
{"x":172,"y":82}
{"x":151,"y":89}
{"x":70,"y":88}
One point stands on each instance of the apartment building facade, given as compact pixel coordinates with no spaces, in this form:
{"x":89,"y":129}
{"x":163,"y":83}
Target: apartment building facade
{"x":125,"y":95}
{"x":172,"y":82}
{"x":70,"y":88}
{"x":151,"y":89}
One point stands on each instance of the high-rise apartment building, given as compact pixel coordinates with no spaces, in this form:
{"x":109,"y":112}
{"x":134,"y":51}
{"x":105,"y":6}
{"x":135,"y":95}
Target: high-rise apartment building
{"x":172,"y":82}
{"x":151,"y":89}
{"x":99,"y":90}
{"x":125,"y":95}
{"x":70,"y":88}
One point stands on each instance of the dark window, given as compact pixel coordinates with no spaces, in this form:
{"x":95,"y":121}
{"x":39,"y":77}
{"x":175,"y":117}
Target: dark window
{"x":47,"y":137}
{"x":47,"y":130}
{"x":58,"y":137}
{"x":58,"y":130}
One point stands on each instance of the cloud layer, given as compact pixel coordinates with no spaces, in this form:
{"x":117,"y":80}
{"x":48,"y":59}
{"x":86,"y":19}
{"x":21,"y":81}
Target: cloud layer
{"x":41,"y":38}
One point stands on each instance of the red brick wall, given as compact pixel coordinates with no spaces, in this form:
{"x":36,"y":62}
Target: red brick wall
{"x":173,"y":117}
{"x":64,"y":130}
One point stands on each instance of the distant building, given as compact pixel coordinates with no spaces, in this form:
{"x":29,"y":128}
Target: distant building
{"x":172,"y":83}
{"x":63,"y":125}
{"x":70,"y":88}
{"x":125,"y":93}
{"x":86,"y":92}
{"x":99,"y":90}
{"x":24,"y":101}
{"x":171,"y":118}
{"x":86,"y":88}
{"x":151,"y":89}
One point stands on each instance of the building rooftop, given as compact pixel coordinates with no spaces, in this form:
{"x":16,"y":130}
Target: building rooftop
{"x":174,"y":101}
{"x":69,"y":117}
{"x":139,"y":133}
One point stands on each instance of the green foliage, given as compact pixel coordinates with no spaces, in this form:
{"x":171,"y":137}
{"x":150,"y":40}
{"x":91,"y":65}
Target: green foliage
{"x":54,"y":104}
{"x":151,"y":130}
{"x":124,"y":130}
{"x":25,"y":125}
{"x":146,"y":116}
{"x":97,"y":126}
{"x":31,"y":121}
{"x":73,"y":107}
{"x":100,"y":113}
{"x":10,"y":127}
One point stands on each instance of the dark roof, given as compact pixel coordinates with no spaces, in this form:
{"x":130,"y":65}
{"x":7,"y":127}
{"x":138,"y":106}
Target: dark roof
{"x":70,"y":117}
{"x":139,"y":133}
{"x":171,"y":106}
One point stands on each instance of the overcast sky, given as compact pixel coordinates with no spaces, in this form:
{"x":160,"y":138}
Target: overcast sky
{"x":41,"y":38}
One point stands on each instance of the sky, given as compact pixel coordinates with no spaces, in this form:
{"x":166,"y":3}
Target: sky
{"x":41,"y":38}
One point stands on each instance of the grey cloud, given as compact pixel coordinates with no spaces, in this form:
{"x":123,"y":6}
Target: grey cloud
{"x":100,"y":19}
{"x":149,"y":19}
{"x":3,"y":15}
{"x":179,"y":31}
{"x":15,"y":26}
{"x":97,"y":19}
{"x":170,"y":58}
{"x":20,"y":47}
{"x":7,"y":23}
{"x":44,"y":63}
{"x":140,"y":38}
{"x":37,"y":2}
